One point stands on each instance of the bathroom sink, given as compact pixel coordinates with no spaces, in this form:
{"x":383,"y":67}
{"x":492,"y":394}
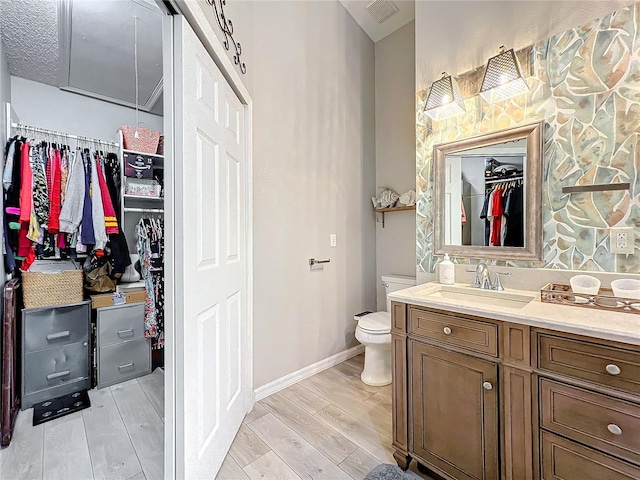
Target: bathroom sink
{"x":479,"y":296}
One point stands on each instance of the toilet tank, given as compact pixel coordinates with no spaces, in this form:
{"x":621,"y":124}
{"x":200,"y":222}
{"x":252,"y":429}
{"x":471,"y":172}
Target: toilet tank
{"x":393,"y":283}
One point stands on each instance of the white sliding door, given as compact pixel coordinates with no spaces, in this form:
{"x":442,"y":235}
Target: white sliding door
{"x":212,"y":339}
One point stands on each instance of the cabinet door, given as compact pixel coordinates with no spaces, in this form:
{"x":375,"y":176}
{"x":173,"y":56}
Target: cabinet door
{"x":455,"y":412}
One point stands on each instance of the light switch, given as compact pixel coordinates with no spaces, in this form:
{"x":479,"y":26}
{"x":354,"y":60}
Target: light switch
{"x":333,"y":240}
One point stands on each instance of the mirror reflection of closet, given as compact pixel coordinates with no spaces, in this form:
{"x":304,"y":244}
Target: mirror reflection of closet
{"x":484,"y":184}
{"x":72,"y":72}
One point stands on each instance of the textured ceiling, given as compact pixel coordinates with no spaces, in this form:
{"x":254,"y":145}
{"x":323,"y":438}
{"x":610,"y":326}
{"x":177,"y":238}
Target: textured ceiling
{"x":88,"y":48}
{"x":29,"y":30}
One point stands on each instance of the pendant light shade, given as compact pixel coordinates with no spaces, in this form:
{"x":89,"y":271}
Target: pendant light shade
{"x":444,"y":100}
{"x":503,"y":77}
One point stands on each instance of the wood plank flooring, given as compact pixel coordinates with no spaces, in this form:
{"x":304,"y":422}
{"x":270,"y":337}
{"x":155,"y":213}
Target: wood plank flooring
{"x":120,"y":437}
{"x":329,"y":426}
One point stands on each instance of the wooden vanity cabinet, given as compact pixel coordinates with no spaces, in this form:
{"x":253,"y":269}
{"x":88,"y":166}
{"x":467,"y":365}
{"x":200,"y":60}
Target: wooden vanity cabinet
{"x":455,"y":411}
{"x":478,"y":399}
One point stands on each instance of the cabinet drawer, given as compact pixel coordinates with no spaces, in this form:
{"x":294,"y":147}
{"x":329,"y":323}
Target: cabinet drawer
{"x":55,"y":326}
{"x":473,"y":335}
{"x":121,"y":323}
{"x":602,"y":422}
{"x":125,"y":360}
{"x":56,"y":366}
{"x":565,"y":460}
{"x":612,"y":367}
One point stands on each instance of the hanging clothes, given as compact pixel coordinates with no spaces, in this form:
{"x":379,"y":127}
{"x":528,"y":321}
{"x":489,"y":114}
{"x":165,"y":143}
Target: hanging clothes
{"x":144,"y":250}
{"x":57,"y":203}
{"x":117,"y":241}
{"x":503,"y":211}
{"x":74,"y":195}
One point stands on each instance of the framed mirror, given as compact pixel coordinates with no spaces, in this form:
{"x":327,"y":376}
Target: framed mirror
{"x":488,"y":195}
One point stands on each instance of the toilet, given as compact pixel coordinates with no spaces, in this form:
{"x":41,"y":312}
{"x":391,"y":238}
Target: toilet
{"x":374,"y":332}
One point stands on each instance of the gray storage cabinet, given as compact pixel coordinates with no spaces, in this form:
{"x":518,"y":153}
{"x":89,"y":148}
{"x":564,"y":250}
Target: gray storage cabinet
{"x":55,"y":351}
{"x":122,"y":350}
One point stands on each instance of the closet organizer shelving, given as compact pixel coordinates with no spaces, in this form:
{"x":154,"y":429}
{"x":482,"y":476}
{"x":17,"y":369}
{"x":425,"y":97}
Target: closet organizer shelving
{"x":134,"y":209}
{"x":137,"y":204}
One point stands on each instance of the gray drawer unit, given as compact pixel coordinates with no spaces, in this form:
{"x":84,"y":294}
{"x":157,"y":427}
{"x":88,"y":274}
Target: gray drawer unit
{"x":55,"y":352}
{"x":122,"y":361}
{"x":123,"y":353}
{"x":46,"y":328}
{"x":121,"y":323}
{"x":56,"y":366}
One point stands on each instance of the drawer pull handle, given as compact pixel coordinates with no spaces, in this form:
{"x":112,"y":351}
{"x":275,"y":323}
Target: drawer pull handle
{"x":615,"y":429}
{"x":447,"y":331}
{"x":53,"y":376}
{"x":58,"y":336}
{"x":127,"y":333}
{"x":126,"y":365}
{"x":487,"y":386}
{"x":613,"y":369}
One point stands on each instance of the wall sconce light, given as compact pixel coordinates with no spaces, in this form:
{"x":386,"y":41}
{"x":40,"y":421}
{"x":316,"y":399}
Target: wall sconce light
{"x":444,"y":100}
{"x":503,"y":77}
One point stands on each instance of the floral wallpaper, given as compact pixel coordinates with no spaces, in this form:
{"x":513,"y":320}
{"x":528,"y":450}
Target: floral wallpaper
{"x":586,"y":85}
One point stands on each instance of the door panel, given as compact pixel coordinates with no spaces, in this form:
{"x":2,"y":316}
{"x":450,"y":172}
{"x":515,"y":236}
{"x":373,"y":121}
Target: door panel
{"x":456,"y":423}
{"x":211,"y":288}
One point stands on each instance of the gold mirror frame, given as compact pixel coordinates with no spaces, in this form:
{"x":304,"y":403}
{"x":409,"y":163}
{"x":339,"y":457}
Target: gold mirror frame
{"x":533,"y":241}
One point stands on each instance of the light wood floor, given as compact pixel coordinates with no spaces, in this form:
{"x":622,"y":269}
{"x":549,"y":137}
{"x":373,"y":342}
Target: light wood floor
{"x":329,"y":426}
{"x":121,"y":436}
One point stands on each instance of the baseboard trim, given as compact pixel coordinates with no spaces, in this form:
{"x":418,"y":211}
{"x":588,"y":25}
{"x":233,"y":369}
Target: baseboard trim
{"x":306,"y":372}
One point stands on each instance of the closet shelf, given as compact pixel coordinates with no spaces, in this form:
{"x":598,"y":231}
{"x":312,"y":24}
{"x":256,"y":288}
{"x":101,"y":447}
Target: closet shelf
{"x":133,"y":152}
{"x":144,"y":210}
{"x":392,"y":209}
{"x":143,"y":197}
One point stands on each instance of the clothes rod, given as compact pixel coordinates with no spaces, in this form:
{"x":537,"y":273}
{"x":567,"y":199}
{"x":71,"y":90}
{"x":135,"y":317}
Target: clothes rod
{"x":54,"y":133}
{"x":506,"y":179}
{"x":143,"y":210}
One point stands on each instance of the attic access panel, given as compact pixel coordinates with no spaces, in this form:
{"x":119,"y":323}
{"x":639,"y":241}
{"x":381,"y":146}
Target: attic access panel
{"x":97,"y":51}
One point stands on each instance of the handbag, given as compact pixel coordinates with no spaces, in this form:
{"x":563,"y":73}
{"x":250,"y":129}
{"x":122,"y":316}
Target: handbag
{"x":97,"y":277}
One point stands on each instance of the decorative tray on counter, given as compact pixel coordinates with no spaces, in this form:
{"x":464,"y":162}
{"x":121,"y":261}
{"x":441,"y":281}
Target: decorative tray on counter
{"x":605,"y":300}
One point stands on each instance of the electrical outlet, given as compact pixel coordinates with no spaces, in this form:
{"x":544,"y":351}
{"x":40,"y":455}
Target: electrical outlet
{"x":622,"y":240}
{"x":333,"y":240}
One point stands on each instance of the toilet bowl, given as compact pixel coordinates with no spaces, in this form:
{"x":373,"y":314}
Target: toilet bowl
{"x":374,"y":332}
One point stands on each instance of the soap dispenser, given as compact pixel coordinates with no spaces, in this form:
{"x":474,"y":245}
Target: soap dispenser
{"x":446,"y":271}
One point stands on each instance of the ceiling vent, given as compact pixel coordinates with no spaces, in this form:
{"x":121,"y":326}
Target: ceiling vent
{"x":382,"y":10}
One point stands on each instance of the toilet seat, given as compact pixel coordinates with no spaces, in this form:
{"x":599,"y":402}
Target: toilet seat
{"x":377,"y":323}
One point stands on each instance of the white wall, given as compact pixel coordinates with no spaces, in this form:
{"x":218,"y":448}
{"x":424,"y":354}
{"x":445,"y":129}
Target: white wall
{"x":395,"y":151}
{"x":311,"y":77}
{"x":49,"y":107}
{"x":459,"y":36}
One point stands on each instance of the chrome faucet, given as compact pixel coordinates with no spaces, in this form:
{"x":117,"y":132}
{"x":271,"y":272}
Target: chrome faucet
{"x":482,"y":278}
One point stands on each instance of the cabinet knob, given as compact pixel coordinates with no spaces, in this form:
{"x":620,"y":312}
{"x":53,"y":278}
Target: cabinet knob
{"x":85,"y":344}
{"x":447,"y":331}
{"x":613,"y":369}
{"x":615,"y":429}
{"x":487,"y":386}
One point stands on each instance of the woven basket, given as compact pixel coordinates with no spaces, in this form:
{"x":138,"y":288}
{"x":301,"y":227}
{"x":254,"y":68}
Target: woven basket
{"x":147,"y":141}
{"x":44,"y":289}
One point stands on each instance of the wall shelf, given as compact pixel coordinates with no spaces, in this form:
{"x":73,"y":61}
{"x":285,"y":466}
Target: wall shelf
{"x":142,"y":197}
{"x":133,"y":152}
{"x":392,"y":209}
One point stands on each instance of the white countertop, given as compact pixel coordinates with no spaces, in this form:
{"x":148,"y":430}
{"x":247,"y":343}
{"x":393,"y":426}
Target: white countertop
{"x":591,"y":322}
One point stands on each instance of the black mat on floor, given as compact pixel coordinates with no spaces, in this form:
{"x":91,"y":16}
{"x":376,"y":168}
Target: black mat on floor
{"x":60,"y":406}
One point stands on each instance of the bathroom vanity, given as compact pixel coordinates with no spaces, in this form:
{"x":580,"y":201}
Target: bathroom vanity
{"x":498,"y":385}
